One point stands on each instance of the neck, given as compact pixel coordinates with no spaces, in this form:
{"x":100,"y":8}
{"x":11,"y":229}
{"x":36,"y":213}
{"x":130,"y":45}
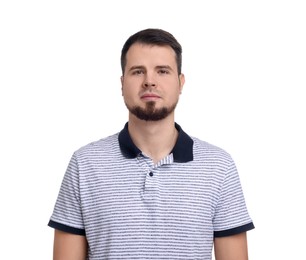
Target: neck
{"x":154,"y":138}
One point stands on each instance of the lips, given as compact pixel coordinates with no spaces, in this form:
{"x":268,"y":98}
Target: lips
{"x":150,"y":96}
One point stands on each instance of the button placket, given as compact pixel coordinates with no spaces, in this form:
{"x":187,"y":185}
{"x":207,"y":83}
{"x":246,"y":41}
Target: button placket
{"x":150,"y":181}
{"x":147,"y":166}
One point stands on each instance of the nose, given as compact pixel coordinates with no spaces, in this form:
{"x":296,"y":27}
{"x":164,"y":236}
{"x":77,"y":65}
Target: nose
{"x":149,"y":81}
{"x":148,"y":84}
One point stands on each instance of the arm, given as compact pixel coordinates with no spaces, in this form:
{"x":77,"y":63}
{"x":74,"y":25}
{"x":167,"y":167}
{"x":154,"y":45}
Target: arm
{"x":69,"y":246}
{"x":231,"y":247}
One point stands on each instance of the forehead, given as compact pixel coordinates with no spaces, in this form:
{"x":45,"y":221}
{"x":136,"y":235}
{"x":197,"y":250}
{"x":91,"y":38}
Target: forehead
{"x":145,"y":53}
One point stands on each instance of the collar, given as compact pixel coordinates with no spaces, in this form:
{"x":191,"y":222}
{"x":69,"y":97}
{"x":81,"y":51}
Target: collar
{"x":182,"y":150}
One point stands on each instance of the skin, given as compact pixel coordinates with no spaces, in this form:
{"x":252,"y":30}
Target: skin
{"x":231,"y":247}
{"x":69,"y":246}
{"x":150,"y":76}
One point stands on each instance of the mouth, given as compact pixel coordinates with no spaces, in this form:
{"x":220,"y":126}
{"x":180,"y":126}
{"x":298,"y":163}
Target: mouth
{"x":150,"y":97}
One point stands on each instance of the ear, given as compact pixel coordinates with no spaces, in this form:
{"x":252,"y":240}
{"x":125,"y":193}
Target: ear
{"x":121,"y":79}
{"x":181,"y":81}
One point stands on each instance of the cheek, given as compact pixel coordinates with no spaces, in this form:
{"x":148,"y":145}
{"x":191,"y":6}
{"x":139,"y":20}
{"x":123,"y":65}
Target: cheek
{"x":176,"y":92}
{"x":127,"y":93}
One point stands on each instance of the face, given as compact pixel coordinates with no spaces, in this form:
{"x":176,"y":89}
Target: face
{"x":151,"y":85}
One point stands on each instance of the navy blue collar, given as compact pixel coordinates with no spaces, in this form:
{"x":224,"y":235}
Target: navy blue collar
{"x":182,"y":150}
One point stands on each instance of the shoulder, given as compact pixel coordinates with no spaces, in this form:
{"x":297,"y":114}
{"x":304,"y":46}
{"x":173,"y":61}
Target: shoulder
{"x":212,"y":157}
{"x":106,"y":145}
{"x":202,"y":148}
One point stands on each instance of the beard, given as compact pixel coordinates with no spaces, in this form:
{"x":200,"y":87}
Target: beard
{"x":150,"y":113}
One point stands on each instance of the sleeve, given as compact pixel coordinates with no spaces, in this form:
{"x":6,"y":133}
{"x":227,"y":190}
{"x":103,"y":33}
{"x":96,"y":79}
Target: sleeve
{"x":67,"y":213}
{"x":231,"y":215}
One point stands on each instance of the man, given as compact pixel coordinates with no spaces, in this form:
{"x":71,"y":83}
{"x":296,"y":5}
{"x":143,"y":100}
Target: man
{"x":151,"y":191}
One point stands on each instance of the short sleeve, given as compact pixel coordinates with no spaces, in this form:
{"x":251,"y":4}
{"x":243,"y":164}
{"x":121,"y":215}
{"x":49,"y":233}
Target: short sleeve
{"x":67,"y":213}
{"x":231,"y":215}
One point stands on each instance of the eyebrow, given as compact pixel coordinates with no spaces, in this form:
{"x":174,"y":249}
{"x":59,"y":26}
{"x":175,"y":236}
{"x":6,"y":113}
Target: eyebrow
{"x":164,"y":67}
{"x":136,"y":67}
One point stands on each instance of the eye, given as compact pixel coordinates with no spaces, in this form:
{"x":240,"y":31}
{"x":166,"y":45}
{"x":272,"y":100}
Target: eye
{"x":137,"y":72}
{"x":163,"y":71}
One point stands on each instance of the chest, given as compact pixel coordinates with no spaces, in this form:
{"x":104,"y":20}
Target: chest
{"x":111,"y":192}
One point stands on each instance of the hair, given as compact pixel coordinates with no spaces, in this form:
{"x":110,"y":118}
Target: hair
{"x":153,"y":37}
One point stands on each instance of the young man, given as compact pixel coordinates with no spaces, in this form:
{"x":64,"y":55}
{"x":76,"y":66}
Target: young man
{"x":151,"y":191}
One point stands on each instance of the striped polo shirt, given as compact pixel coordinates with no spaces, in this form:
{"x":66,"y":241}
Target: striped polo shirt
{"x":130,"y":208}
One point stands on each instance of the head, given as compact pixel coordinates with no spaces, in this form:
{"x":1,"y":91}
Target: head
{"x":152,"y":81}
{"x":152,"y":37}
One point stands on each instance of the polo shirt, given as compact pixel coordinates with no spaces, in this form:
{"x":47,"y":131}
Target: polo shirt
{"x":130,"y":208}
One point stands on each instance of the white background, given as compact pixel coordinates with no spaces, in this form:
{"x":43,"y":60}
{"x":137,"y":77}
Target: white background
{"x":245,"y":66}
